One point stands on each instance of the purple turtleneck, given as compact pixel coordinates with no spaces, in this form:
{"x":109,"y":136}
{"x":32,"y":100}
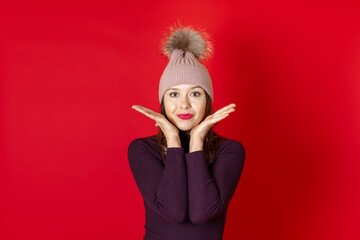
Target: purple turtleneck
{"x":184,"y":198}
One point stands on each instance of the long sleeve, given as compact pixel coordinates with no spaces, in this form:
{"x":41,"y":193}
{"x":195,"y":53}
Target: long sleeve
{"x":163,"y":187}
{"x":210,"y":192}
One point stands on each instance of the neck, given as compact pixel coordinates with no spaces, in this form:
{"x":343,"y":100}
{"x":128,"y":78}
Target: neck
{"x":185,"y":139}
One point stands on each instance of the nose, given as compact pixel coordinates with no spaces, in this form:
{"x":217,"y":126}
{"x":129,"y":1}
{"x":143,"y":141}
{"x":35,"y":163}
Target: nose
{"x":184,"y":102}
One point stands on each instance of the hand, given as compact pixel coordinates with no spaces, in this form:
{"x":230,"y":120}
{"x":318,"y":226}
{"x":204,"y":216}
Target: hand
{"x":202,"y":128}
{"x":168,"y":129}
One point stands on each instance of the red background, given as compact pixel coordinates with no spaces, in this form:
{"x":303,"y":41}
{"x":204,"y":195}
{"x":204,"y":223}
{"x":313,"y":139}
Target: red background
{"x":70,"y":72}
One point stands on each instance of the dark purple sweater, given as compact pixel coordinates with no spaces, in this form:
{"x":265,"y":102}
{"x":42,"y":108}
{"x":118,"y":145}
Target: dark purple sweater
{"x":184,"y":198}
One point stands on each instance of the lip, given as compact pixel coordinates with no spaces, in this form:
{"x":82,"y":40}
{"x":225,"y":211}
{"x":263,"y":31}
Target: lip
{"x":185,"y":116}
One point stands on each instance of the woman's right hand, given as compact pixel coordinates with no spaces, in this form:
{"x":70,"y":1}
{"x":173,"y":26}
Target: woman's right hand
{"x":168,"y":129}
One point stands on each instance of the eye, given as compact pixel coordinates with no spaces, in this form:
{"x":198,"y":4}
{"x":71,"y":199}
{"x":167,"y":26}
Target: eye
{"x":198,"y":94}
{"x":171,"y":94}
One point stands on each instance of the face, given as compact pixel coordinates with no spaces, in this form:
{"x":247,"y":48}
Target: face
{"x":187,"y":99}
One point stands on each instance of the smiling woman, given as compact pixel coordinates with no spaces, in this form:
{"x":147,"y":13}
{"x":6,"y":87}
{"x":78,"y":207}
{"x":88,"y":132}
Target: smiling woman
{"x":211,"y":141}
{"x":187,"y":173}
{"x":185,"y":105}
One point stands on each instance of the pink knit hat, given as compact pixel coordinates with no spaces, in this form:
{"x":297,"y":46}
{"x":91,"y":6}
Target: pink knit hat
{"x":185,"y":47}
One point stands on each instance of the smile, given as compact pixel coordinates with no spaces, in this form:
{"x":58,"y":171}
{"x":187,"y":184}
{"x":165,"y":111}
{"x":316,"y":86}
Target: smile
{"x":185,"y":116}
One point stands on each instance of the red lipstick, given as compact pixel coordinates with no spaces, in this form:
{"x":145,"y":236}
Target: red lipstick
{"x":185,"y":116}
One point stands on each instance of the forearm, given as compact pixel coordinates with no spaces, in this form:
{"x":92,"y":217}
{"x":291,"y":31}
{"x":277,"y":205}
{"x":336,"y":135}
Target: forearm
{"x":204,"y":200}
{"x":172,"y":188}
{"x":210,"y":191}
{"x":164,"y":188}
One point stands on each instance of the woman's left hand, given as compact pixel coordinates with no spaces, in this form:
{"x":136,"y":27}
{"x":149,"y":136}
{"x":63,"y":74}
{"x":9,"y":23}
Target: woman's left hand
{"x":200,"y":130}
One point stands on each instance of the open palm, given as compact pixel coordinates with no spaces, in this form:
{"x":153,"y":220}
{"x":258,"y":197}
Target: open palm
{"x":200,"y":130}
{"x":168,"y":128}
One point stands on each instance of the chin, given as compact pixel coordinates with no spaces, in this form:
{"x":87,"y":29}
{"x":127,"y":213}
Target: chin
{"x":185,"y":128}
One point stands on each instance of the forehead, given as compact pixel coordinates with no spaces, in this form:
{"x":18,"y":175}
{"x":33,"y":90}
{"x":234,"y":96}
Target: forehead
{"x":184,"y":87}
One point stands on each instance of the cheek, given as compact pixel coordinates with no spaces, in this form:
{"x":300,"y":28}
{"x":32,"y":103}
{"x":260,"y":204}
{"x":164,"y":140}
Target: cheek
{"x":202,"y":112}
{"x":200,"y":108}
{"x":169,"y":108}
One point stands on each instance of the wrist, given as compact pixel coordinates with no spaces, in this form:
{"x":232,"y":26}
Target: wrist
{"x":197,"y":139}
{"x":196,"y":145}
{"x":173,"y":141}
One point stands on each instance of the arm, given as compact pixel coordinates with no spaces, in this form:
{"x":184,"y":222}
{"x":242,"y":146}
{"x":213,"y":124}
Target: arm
{"x":163,"y":188}
{"x":209,"y":193}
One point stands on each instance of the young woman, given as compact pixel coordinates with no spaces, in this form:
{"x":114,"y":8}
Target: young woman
{"x":187,"y":173}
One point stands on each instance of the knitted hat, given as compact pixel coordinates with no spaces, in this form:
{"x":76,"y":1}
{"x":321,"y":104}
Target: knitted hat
{"x":185,"y":47}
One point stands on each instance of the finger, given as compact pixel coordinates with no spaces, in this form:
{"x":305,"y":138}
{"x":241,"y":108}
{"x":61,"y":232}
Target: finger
{"x":229,"y":110}
{"x":150,"y":115}
{"x":232,"y":105}
{"x":143,"y":108}
{"x":215,"y":120}
{"x":221,"y":115}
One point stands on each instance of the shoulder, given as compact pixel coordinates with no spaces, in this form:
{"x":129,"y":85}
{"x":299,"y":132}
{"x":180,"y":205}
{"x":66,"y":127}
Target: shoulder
{"x":231,"y":147}
{"x":229,"y":143}
{"x":143,"y":144}
{"x":151,"y":140}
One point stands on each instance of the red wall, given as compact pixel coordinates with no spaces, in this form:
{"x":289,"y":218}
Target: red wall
{"x":70,"y":73}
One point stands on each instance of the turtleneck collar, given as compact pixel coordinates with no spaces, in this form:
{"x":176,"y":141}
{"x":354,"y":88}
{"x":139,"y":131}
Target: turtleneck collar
{"x":185,"y":134}
{"x":185,"y":139}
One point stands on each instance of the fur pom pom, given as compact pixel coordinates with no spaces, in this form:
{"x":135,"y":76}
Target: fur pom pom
{"x":186,"y":39}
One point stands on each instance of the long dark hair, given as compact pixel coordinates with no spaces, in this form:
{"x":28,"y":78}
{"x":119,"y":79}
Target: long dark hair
{"x":211,"y":141}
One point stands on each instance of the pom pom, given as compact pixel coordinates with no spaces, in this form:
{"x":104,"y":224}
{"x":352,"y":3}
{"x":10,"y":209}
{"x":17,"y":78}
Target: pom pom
{"x":188,"y":39}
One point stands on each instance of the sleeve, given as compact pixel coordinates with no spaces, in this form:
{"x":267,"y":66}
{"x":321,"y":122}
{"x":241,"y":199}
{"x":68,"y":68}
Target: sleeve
{"x":210,"y":192}
{"x":163,"y":187}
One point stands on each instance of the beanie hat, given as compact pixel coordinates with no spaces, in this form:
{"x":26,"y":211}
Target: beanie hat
{"x":185,"y":47}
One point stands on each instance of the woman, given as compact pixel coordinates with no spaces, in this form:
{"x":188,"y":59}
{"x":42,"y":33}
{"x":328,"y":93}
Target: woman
{"x":186,"y":174}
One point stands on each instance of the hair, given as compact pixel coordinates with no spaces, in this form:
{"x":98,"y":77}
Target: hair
{"x":211,"y":141}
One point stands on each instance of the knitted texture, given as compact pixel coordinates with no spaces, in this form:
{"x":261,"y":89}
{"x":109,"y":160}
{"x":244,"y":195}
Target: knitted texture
{"x":183,"y":197}
{"x":184,"y":68}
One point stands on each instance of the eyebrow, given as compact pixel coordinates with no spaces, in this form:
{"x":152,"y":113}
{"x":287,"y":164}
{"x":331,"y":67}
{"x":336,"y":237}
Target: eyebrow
{"x":179,"y":89}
